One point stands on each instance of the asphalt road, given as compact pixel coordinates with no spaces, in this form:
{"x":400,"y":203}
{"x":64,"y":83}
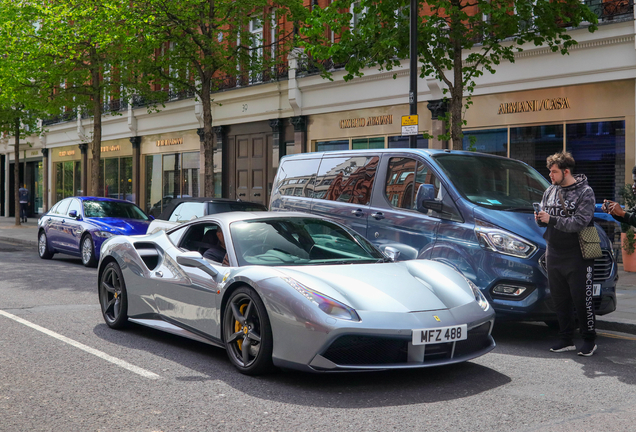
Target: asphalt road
{"x":63,"y":369}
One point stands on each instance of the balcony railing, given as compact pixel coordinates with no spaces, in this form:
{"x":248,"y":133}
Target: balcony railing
{"x":60,"y":118}
{"x":608,"y":10}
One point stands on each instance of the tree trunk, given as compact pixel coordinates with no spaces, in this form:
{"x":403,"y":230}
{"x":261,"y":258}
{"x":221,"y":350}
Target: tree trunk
{"x":208,"y":140}
{"x":96,"y":144}
{"x":16,"y":172}
{"x":457,"y":91}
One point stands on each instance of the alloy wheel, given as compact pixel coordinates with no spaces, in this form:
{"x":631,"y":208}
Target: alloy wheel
{"x":111,"y":294}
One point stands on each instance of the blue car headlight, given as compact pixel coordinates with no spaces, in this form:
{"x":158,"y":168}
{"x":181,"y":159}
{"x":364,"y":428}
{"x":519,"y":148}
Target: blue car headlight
{"x":104,"y":234}
{"x":504,"y":242}
{"x":326,"y":304}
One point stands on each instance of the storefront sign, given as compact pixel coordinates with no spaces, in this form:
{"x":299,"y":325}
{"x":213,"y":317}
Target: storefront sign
{"x":112,"y":148}
{"x":534,"y":105}
{"x":169,"y":142}
{"x":370,"y":121}
{"x":67,"y":153}
{"x":35,"y":153}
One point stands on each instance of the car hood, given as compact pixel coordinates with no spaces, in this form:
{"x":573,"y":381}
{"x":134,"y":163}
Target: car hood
{"x":120,"y":226}
{"x":520,"y":223}
{"x":407,"y":286}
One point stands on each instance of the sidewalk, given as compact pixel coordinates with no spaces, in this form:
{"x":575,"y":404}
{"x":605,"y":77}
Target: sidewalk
{"x":622,"y":320}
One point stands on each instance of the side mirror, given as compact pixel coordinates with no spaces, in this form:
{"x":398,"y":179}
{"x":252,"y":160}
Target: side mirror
{"x":151,"y":217}
{"x":425,"y":199}
{"x":392,"y":253}
{"x":196,"y":260}
{"x":73,"y":214}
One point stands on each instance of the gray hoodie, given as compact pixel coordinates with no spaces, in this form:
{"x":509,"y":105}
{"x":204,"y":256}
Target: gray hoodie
{"x":562,"y":230}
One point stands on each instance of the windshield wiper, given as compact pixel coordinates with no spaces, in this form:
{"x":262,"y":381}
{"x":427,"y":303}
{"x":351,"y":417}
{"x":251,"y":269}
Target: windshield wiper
{"x":519,"y":209}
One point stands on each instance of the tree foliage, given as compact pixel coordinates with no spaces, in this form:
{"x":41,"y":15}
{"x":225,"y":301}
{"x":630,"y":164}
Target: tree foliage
{"x":201,"y":46}
{"x":457,"y":39}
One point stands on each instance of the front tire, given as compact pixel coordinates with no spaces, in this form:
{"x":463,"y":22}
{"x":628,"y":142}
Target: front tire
{"x":113,"y":297}
{"x":247,"y":332}
{"x":43,"y":247}
{"x":88,"y":251}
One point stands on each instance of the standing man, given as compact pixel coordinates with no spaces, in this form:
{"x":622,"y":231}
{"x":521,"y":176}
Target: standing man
{"x":613,"y":208}
{"x":23,"y":194}
{"x":568,"y":207}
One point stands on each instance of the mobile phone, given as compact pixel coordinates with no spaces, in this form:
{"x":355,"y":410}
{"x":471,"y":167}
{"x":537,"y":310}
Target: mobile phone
{"x":537,"y":207}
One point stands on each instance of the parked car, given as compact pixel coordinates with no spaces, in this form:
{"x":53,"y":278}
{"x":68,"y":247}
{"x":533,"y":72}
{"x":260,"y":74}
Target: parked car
{"x":300,"y":292}
{"x":79,"y":225}
{"x":185,"y":209}
{"x":469,"y":210}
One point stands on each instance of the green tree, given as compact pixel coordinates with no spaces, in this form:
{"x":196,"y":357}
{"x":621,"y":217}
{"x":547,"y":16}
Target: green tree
{"x":200,"y":45}
{"x":457,"y":39}
{"x":83,"y":46}
{"x":22,"y":101}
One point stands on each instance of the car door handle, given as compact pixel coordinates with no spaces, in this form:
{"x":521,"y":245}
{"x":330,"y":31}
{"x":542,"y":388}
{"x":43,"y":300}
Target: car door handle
{"x":377,"y":215}
{"x":48,"y":220}
{"x":159,"y":273}
{"x":357,"y":212}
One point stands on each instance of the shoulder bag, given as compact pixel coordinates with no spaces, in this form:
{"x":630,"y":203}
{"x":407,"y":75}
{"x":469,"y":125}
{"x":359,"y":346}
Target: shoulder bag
{"x":589,"y":241}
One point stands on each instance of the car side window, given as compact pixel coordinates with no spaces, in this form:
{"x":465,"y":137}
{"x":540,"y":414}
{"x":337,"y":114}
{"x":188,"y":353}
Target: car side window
{"x":63,"y":207}
{"x":399,"y":189}
{"x":296,"y":177}
{"x":346,"y":179}
{"x":176,"y":235}
{"x":54,"y":208}
{"x":75,"y":205}
{"x":187,"y":210}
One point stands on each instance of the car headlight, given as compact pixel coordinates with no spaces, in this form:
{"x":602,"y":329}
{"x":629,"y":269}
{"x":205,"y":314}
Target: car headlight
{"x":479,"y":297}
{"x":326,"y":304}
{"x":104,"y":234}
{"x":504,"y":242}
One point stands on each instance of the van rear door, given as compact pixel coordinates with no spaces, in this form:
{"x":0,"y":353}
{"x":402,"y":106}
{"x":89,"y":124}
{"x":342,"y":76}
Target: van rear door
{"x":342,"y":190}
{"x":393,"y":219}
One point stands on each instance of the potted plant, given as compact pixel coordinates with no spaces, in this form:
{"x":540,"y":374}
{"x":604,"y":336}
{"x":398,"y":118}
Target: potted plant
{"x":628,"y":235}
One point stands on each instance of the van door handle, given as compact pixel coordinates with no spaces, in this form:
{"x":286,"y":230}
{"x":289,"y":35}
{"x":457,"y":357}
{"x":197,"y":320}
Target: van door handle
{"x":357,"y":212}
{"x":378,"y":215}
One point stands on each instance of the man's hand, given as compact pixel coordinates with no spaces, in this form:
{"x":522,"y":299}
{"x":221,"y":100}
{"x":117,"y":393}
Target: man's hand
{"x":614,"y":208}
{"x":542,"y":216}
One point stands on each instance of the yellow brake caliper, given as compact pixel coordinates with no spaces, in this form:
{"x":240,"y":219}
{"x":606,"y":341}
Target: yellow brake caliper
{"x":237,"y":326}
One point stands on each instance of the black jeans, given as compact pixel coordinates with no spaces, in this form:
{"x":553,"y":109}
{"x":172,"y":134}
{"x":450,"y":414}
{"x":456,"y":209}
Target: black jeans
{"x":23,"y":210}
{"x":571,"y":280}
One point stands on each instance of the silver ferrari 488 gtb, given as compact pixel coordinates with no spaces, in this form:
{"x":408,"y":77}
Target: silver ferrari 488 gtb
{"x":293,"y":291}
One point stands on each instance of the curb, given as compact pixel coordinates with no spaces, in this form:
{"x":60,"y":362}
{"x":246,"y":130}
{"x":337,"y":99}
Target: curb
{"x":616,"y":326}
{"x":19,"y":241}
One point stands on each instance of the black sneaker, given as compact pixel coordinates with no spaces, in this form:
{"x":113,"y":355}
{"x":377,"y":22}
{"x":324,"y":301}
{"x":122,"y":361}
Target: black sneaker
{"x":588,"y":348}
{"x":563,"y":346}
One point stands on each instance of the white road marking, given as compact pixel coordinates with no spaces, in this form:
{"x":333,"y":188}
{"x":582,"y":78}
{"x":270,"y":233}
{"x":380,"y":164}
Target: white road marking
{"x":139,"y":371}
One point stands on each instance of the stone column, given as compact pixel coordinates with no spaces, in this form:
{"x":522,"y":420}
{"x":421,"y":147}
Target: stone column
{"x":136,"y":169}
{"x":84,"y":150}
{"x":300,"y":133}
{"x":277,"y":126}
{"x":7,"y":166}
{"x":220,"y":136}
{"x":45,"y":180}
{"x":438,"y":108}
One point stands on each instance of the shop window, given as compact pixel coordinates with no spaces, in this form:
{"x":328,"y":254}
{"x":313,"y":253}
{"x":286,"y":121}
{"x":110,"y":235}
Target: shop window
{"x":403,"y":142}
{"x":67,"y":179}
{"x":325,"y":146}
{"x":115,"y":178}
{"x":367,"y":143}
{"x":346,"y":179}
{"x":533,"y":145}
{"x":170,"y":176}
{"x":599,"y":151}
{"x":78,"y":179}
{"x":491,"y":141}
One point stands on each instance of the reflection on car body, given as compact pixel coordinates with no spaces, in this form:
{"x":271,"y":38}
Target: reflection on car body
{"x":299,"y":292}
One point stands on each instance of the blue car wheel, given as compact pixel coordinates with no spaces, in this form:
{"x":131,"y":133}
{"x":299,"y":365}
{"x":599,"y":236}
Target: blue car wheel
{"x":43,"y":246}
{"x":88,"y":252}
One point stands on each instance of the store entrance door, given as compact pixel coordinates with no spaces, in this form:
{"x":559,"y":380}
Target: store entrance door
{"x":251,"y":164}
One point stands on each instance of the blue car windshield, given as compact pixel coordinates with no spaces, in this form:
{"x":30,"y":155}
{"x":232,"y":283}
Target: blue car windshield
{"x":502,"y":184}
{"x":299,"y":241}
{"x":113,"y":209}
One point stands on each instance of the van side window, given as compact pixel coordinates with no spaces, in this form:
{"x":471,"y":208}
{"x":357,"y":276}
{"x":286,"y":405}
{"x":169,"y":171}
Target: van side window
{"x":346,"y":179}
{"x":296,"y":178}
{"x":404,"y":177}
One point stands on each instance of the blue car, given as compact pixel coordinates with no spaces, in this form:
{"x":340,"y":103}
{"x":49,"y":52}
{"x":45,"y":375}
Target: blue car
{"x":79,"y":225}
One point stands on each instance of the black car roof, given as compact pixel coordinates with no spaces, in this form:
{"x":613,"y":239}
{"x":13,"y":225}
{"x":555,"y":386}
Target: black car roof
{"x":167,"y":211}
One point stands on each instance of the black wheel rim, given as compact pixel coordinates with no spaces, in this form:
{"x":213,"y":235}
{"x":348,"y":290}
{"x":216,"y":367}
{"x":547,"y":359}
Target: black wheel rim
{"x":110,"y":294}
{"x":243,"y":330}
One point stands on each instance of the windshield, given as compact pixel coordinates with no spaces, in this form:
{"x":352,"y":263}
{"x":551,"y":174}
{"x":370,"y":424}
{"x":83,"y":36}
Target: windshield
{"x":113,"y":209}
{"x":502,"y":184}
{"x":296,"y":241}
